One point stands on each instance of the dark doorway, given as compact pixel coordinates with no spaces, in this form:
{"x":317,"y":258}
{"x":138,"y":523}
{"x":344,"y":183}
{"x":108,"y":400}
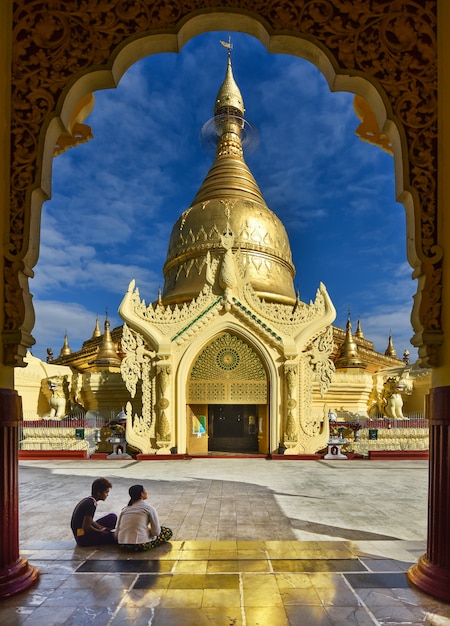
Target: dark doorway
{"x":232,"y":428}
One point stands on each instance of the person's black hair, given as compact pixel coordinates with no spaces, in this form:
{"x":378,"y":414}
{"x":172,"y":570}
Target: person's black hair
{"x":135,"y":492}
{"x":99,"y":485}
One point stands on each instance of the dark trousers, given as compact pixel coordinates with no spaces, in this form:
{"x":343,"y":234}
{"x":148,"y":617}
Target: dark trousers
{"x":99,"y":538}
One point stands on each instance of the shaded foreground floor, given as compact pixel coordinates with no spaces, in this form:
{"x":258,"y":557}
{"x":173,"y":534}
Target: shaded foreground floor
{"x":256,"y":543}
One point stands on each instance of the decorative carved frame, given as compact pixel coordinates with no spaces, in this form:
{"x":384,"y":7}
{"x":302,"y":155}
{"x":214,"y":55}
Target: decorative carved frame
{"x":383,"y":50}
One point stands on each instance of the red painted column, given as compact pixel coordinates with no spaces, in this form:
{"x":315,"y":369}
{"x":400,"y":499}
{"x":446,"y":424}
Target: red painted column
{"x":16,"y":574}
{"x":432,"y":573}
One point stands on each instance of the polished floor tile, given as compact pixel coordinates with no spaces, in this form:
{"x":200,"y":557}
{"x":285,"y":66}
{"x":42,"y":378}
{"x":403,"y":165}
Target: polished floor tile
{"x":254,"y":544}
{"x":376,"y":581}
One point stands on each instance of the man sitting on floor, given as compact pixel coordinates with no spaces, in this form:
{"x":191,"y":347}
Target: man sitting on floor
{"x":86,"y":531}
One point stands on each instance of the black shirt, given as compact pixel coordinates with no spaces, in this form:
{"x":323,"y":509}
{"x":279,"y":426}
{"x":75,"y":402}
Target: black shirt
{"x":85,"y":507}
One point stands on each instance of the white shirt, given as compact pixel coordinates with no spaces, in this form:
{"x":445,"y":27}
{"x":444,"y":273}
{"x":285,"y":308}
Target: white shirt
{"x":138,"y":523}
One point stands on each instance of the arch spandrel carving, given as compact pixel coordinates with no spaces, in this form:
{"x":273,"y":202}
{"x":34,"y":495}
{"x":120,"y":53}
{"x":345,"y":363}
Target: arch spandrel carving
{"x":391,"y":44}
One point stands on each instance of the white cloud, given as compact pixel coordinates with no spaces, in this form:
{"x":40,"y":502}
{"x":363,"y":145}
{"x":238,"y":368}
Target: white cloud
{"x":391,"y":318}
{"x":54,"y":318}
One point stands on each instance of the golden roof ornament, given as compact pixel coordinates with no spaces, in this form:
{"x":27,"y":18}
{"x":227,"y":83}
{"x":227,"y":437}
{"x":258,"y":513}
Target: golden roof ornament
{"x":66,"y":349}
{"x":358,"y":332}
{"x":107,"y":353}
{"x":229,"y":95}
{"x":229,"y":206}
{"x":97,"y":332}
{"x":349,"y":356}
{"x":390,"y":350}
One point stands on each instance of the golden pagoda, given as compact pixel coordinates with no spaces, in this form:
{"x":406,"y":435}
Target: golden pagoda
{"x":226,"y":356}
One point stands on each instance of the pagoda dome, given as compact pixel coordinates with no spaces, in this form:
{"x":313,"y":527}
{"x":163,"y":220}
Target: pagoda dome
{"x":229,"y":212}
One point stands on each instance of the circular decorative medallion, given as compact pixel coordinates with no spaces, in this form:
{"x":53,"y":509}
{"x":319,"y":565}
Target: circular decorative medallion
{"x":227,"y":359}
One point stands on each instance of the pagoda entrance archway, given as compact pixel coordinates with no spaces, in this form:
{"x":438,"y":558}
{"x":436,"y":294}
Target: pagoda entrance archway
{"x":385,"y":52}
{"x":227,"y":399}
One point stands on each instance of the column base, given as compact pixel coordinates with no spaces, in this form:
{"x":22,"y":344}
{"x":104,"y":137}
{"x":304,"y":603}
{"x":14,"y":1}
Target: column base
{"x":430,"y":579}
{"x":19,"y":577}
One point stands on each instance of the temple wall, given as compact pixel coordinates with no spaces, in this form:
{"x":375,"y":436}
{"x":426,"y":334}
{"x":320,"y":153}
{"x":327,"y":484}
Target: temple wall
{"x":28,"y":383}
{"x":349,"y":391}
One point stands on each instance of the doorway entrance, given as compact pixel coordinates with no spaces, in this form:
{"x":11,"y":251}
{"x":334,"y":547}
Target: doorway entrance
{"x":232,"y":428}
{"x":227,"y":399}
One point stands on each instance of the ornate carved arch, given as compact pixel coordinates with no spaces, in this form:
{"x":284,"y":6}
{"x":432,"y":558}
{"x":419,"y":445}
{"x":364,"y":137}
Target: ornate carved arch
{"x":383,"y":50}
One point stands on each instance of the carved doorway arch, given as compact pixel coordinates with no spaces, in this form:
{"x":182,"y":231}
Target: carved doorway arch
{"x":228,"y":382}
{"x":386,"y":54}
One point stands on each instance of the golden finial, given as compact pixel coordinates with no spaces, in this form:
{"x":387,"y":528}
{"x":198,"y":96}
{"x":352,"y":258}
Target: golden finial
{"x":228,"y":45}
{"x":229,"y":96}
{"x":97,"y":332}
{"x":65,"y":350}
{"x":359,"y":333}
{"x":390,"y":350}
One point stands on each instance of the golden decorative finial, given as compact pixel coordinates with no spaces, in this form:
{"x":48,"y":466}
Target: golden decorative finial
{"x":97,"y":332}
{"x":228,"y":45}
{"x":229,"y":96}
{"x":390,"y":350}
{"x":359,"y":333}
{"x":65,"y":350}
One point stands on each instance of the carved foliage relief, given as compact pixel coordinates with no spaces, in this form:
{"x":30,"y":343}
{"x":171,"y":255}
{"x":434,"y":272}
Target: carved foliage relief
{"x":392,"y":42}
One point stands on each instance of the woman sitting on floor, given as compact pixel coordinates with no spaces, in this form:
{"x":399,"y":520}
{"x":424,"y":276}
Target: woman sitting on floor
{"x":138,"y":528}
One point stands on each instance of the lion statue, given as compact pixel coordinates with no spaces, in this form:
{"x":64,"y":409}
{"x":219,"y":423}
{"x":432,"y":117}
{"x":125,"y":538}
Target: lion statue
{"x":56,"y":390}
{"x":392,"y":398}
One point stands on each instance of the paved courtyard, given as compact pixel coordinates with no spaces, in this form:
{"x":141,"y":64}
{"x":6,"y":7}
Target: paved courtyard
{"x":255,"y":543}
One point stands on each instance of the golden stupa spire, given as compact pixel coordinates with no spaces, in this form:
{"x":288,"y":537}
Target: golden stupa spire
{"x":97,"y":332}
{"x":358,"y":332}
{"x":390,"y":350}
{"x":229,"y":95}
{"x":229,"y":175}
{"x":66,"y":349}
{"x":107,"y":353}
{"x":228,"y":213}
{"x":349,"y":356}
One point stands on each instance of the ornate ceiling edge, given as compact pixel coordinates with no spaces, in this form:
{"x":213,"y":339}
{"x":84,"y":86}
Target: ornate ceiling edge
{"x":391,"y":44}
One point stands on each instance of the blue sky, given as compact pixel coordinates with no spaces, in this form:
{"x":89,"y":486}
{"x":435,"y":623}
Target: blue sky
{"x":115,"y":198}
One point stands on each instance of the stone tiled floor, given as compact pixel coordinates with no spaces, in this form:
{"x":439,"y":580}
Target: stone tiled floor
{"x":256,"y":543}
